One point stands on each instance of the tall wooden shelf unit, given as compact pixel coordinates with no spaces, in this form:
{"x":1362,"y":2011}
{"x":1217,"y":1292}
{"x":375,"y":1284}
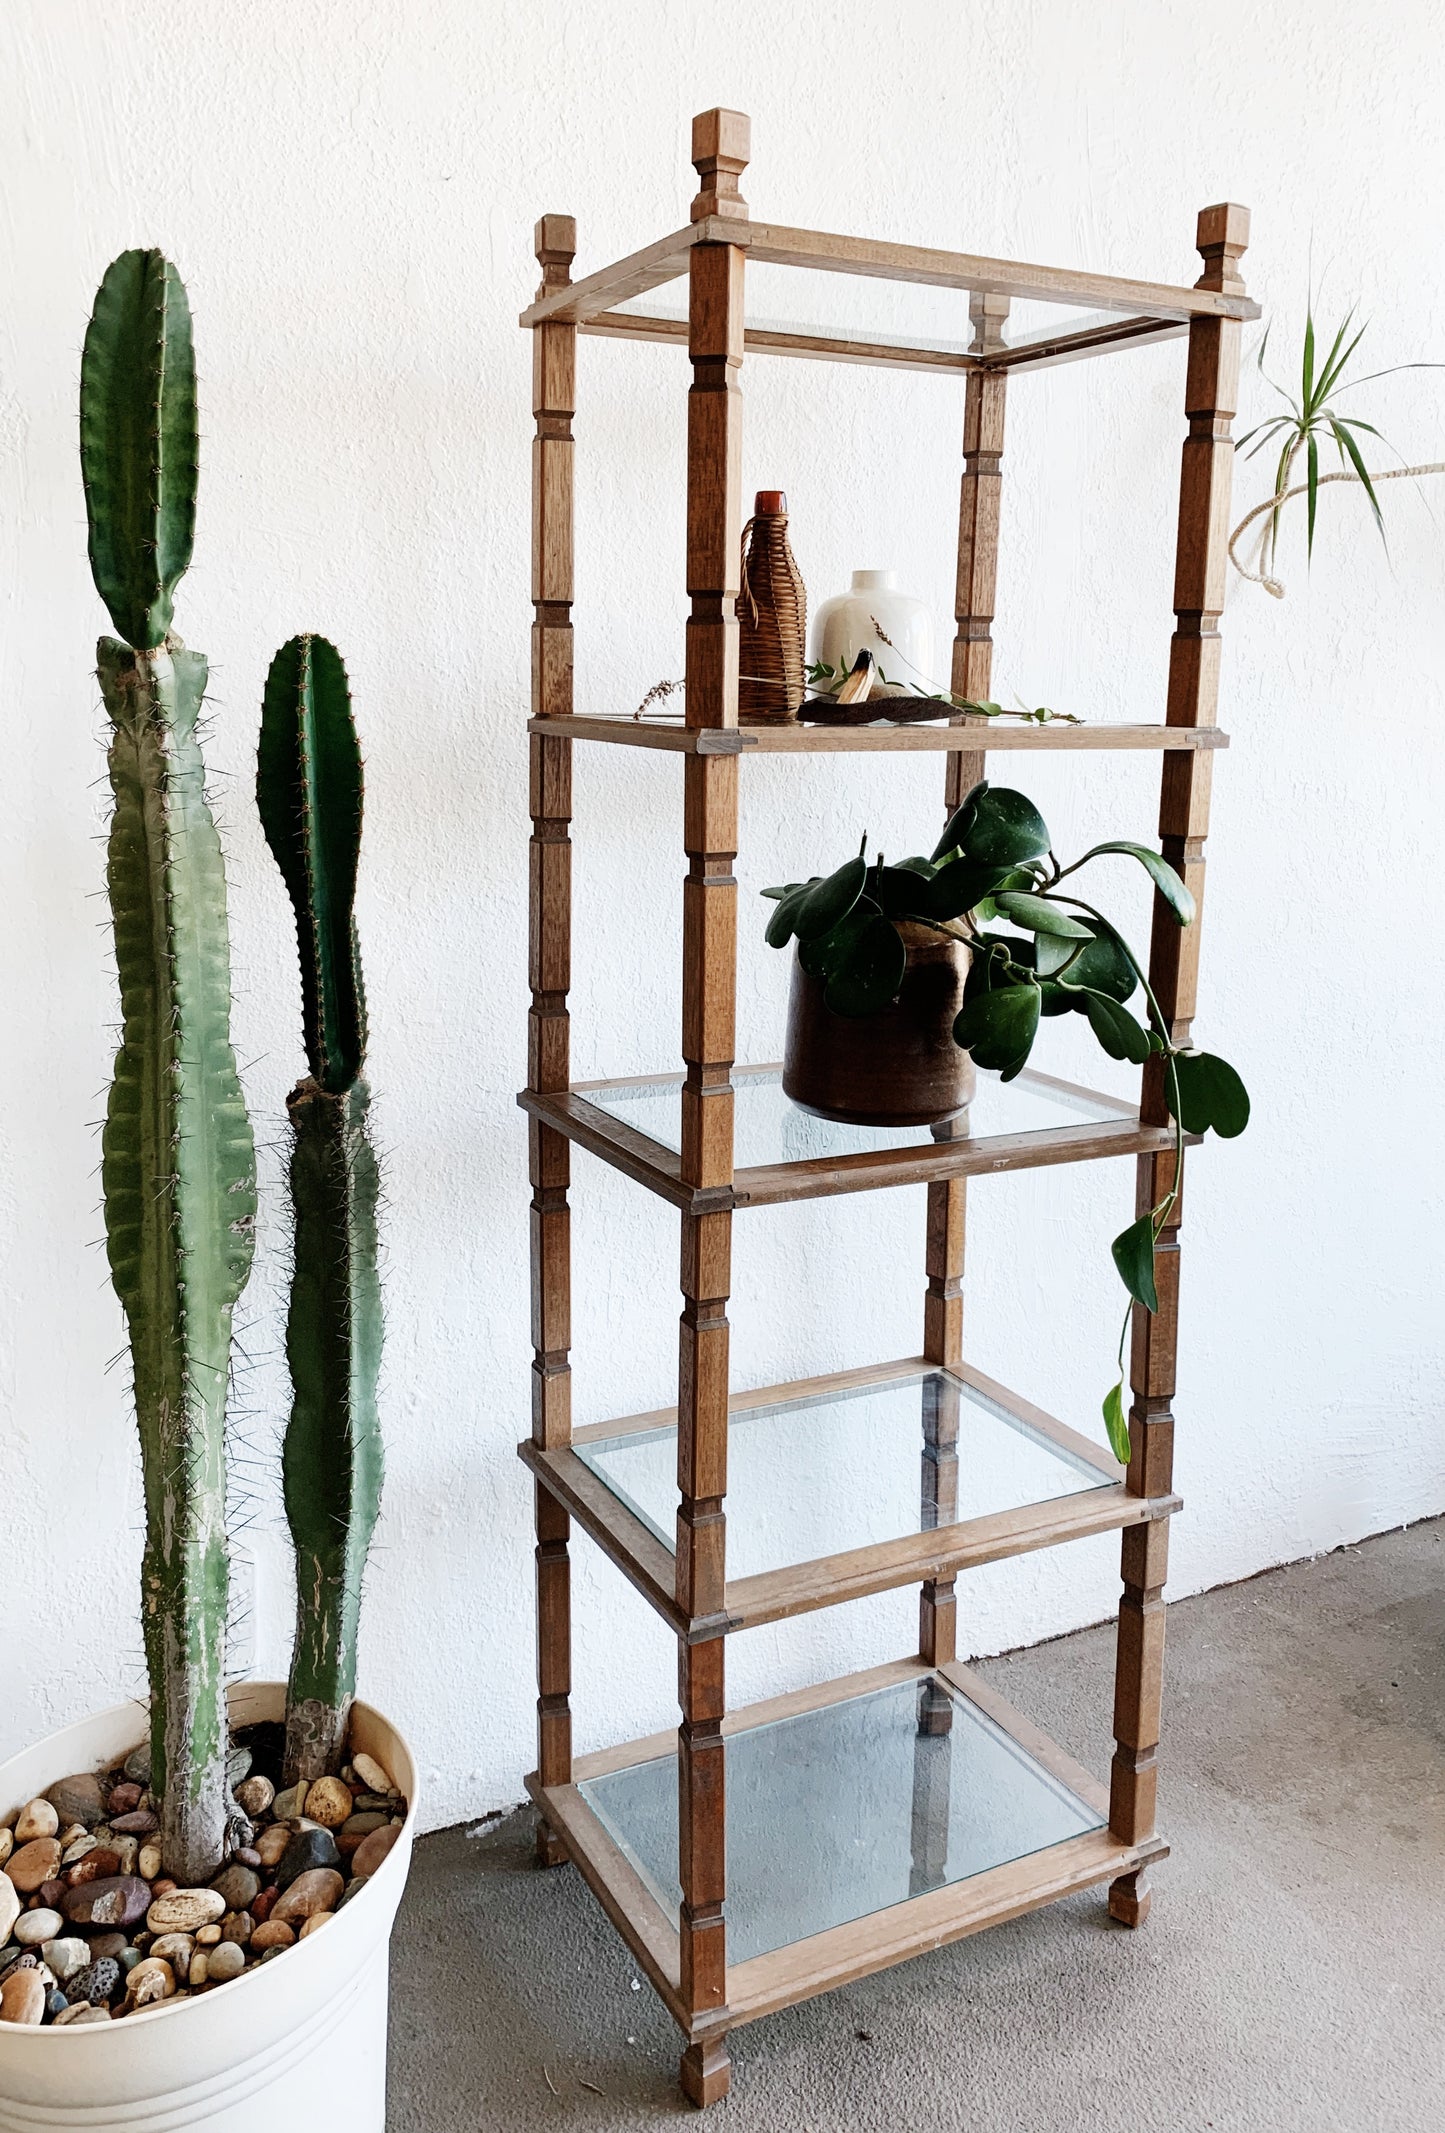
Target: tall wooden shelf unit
{"x":895,"y":1810}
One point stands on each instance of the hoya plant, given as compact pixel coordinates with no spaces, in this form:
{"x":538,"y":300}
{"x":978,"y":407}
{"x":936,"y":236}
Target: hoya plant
{"x":995,"y":863}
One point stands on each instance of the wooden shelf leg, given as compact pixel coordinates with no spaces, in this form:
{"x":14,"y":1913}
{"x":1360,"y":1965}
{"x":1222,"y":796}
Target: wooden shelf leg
{"x":549,"y":955}
{"x":1211,"y":394}
{"x":972,"y":667}
{"x":706,"y":2072}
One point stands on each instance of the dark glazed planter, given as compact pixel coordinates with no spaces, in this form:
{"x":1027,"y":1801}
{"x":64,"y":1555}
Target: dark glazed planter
{"x":900,"y":1067}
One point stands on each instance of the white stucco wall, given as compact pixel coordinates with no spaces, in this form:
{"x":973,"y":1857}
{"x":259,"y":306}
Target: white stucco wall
{"x":349,"y":194}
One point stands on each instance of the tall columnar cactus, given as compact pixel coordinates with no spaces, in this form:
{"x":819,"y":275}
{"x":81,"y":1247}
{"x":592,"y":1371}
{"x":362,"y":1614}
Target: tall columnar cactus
{"x":309,"y":792}
{"x":179,"y":1168}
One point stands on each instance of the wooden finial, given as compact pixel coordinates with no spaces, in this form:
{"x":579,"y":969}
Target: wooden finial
{"x":722,"y":144}
{"x":555,"y":243}
{"x":1223,"y":233}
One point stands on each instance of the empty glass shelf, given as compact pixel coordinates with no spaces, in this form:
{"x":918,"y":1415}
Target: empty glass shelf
{"x":817,"y":1475}
{"x":837,"y":1813}
{"x":768,"y":1127}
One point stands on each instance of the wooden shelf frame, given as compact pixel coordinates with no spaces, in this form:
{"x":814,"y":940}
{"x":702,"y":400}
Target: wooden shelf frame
{"x":863,"y":740}
{"x":652,"y":1163}
{"x":767,"y":1983}
{"x":686,"y":1957}
{"x":937,"y":1552}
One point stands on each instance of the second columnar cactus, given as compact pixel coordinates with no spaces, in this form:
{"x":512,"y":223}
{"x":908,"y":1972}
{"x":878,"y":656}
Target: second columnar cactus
{"x":179,"y":1169}
{"x":309,"y":793}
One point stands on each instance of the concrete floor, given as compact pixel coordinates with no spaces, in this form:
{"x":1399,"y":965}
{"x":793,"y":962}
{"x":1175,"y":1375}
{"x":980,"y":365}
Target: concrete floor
{"x":1290,"y":1979}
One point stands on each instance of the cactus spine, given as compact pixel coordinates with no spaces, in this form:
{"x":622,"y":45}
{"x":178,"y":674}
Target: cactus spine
{"x":179,"y":1169}
{"x":309,"y":793}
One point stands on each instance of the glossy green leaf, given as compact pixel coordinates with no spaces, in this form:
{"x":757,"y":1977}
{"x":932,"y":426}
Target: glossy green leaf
{"x":998,"y":1027}
{"x":831,"y":950}
{"x":899,"y":892}
{"x":1133,"y":1251}
{"x":1054,"y":954}
{"x":1004,"y":828}
{"x":1103,"y":966}
{"x":780,"y":925}
{"x":870,"y":974}
{"x":1116,"y":1029}
{"x":1211,"y":1094}
{"x":1163,"y":876}
{"x":960,"y":886}
{"x":955,"y":830}
{"x":829,"y":900}
{"x":1116,"y":1424}
{"x":1038,"y":915}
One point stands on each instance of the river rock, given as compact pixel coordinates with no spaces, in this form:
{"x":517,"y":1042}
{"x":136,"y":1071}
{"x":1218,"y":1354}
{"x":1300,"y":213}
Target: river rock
{"x":317,"y":1890}
{"x":141,"y":1823}
{"x":16,"y":1958}
{"x":308,"y":1849}
{"x":265,"y":1903}
{"x":239,"y":1886}
{"x":78,"y":2012}
{"x":273,"y":1843}
{"x":117,"y":1902}
{"x":127,"y":1850}
{"x":98,"y":1864}
{"x":9,"y":1907}
{"x":81,"y":1848}
{"x":207,"y":1936}
{"x":150,"y":1981}
{"x":238,"y":1766}
{"x":138,"y":1764}
{"x":22,"y":1998}
{"x":200,"y":1968}
{"x":124,"y":1799}
{"x":78,"y":1799}
{"x":7,"y":1844}
{"x":328,"y":1802}
{"x":49,"y":1894}
{"x":38,"y":1818}
{"x":238,"y":1926}
{"x":103,"y":1944}
{"x":291,"y":1802}
{"x":226,"y":1962}
{"x":185,"y":1909}
{"x":33,"y":1863}
{"x":371,"y":1851}
{"x":274,"y":1934}
{"x":317,"y":1918}
{"x":254,"y":1795}
{"x":33,"y":1927}
{"x":354,"y":1887}
{"x":67,"y":1958}
{"x":175,"y":1949}
{"x":98,"y":1981}
{"x":355,"y":1828}
{"x":148,"y":1861}
{"x":371,"y":1774}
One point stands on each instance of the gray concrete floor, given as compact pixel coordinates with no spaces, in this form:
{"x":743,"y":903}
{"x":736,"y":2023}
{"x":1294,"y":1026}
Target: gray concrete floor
{"x":1290,"y":1979}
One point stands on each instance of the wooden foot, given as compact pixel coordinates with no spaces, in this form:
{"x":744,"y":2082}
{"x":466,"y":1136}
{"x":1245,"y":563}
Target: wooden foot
{"x":550,"y":1849}
{"x":706,"y":2072}
{"x":1130,"y":1898}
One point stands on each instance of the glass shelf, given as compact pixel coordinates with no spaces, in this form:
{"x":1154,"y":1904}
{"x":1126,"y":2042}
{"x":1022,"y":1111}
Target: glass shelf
{"x":822,"y":1473}
{"x":837,"y":1813}
{"x":769,"y":1128}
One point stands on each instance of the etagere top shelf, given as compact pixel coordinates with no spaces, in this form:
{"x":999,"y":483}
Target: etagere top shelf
{"x":968,"y":737}
{"x":1133,"y":312}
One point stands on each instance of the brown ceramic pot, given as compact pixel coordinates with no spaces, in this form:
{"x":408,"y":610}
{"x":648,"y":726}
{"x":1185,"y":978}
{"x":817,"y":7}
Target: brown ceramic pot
{"x":900,"y":1067}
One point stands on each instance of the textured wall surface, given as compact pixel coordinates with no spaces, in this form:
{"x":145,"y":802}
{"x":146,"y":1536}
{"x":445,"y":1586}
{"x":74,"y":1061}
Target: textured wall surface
{"x":349,"y":193}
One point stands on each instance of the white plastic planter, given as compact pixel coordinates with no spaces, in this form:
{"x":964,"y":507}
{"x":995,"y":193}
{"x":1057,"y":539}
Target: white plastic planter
{"x":299,"y":2043}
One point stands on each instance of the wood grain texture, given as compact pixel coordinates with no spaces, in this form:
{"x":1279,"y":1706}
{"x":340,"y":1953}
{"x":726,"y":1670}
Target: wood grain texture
{"x":554,"y":399}
{"x":864,"y":740}
{"x":1211,"y":394}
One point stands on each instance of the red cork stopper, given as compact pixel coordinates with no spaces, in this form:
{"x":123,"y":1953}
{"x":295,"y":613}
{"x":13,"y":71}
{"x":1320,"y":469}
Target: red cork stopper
{"x":774,"y":500}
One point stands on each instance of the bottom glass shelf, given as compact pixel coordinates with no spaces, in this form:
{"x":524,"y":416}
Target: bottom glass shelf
{"x":836,"y":1813}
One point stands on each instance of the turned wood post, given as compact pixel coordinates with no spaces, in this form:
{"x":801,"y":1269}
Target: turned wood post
{"x":1211,"y":395}
{"x":554,"y":398}
{"x":978,"y":513}
{"x":720,"y":148}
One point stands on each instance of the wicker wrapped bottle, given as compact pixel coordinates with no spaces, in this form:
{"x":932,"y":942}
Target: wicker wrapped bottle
{"x":773,"y":612}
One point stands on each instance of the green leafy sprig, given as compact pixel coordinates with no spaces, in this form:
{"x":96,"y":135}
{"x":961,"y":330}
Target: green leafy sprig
{"x":994,"y":862}
{"x":829,"y":679}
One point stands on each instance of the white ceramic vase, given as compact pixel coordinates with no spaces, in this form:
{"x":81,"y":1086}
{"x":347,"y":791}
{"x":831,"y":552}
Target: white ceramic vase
{"x":875,"y":616}
{"x":299,"y":2043}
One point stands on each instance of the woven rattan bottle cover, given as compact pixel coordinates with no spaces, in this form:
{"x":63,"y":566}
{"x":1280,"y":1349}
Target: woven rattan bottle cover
{"x":773,"y":612}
